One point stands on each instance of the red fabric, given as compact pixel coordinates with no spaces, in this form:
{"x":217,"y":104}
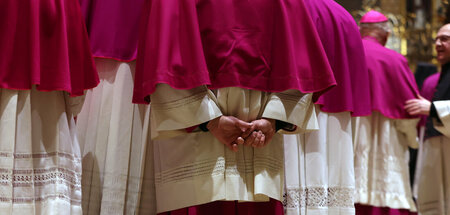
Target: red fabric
{"x":266,"y":45}
{"x":391,"y":81}
{"x":344,"y":48}
{"x":370,"y":210}
{"x":232,"y":208}
{"x":45,"y":43}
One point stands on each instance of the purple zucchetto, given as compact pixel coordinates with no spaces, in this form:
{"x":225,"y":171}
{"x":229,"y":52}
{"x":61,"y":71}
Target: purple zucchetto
{"x":373,"y":16}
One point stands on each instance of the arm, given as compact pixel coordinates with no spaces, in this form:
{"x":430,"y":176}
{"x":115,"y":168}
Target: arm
{"x":419,"y":106}
{"x":290,"y":112}
{"x":174,"y":110}
{"x":292,"y":107}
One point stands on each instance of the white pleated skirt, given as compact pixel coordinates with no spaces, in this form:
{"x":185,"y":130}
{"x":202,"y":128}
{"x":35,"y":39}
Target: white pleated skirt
{"x":40,"y":162}
{"x":433,"y":182}
{"x":116,"y":147}
{"x":319,"y":168}
{"x":381,"y":162}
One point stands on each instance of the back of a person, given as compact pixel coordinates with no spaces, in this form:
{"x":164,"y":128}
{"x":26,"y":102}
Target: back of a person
{"x":323,"y":160}
{"x":45,"y":68}
{"x":392,"y":82}
{"x":342,"y":43}
{"x":381,"y":139}
{"x":225,"y":60}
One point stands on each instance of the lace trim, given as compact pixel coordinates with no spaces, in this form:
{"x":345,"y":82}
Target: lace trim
{"x":41,"y":199}
{"x":44,"y":183}
{"x":39,"y":155}
{"x":319,"y":197}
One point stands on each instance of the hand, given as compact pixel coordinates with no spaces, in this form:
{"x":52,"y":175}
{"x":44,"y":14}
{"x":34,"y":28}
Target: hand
{"x":265,"y":131}
{"x":419,"y":106}
{"x":230,"y":131}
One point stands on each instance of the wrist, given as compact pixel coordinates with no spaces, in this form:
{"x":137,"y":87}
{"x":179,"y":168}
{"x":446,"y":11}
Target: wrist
{"x":212,"y":124}
{"x":204,"y":126}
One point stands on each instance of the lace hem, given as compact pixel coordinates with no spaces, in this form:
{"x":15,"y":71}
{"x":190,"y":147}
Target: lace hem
{"x":46,"y":181}
{"x":319,"y":197}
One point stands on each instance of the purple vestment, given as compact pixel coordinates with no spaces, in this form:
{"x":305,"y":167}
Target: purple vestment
{"x":266,"y":45}
{"x":427,"y":91}
{"x":113,"y":27}
{"x":44,"y":43}
{"x":391,"y":81}
{"x":343,"y":45}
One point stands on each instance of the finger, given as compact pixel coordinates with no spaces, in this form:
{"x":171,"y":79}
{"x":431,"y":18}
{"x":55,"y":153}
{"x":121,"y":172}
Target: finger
{"x":263,"y":141}
{"x":420,"y":97}
{"x":414,"y":112}
{"x":410,"y":105}
{"x":257,"y":139}
{"x":234,"y":147}
{"x":417,"y":112}
{"x":416,"y":108}
{"x":240,"y":141}
{"x":244,"y":126}
{"x":411,"y":101}
{"x":249,"y":141}
{"x":249,"y":131}
{"x":409,"y":109}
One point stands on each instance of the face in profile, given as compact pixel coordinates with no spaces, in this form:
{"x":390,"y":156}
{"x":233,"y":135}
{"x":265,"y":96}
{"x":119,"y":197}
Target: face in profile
{"x":442,"y":43}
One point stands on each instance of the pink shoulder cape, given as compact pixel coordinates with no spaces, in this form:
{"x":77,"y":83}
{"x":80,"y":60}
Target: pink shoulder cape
{"x":266,"y":45}
{"x":44,"y":43}
{"x":343,"y":45}
{"x":391,"y":81}
{"x":113,"y":27}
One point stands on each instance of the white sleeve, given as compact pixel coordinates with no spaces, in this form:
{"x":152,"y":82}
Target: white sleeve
{"x":443,"y":111}
{"x":408,"y":128}
{"x":293,"y":107}
{"x":173,"y":109}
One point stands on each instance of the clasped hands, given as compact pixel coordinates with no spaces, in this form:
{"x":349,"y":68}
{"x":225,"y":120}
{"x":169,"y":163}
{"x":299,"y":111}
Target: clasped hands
{"x":232,"y":131}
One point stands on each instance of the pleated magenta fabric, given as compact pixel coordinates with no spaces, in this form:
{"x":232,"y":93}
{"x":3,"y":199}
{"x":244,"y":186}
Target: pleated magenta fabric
{"x":262,"y":45}
{"x":342,"y":43}
{"x":391,"y":81}
{"x":113,"y":27}
{"x":44,"y":43}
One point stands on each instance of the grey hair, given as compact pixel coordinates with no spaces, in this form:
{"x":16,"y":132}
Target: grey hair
{"x":378,"y":25}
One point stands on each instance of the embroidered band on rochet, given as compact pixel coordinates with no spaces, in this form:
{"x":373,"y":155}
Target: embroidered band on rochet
{"x":217,"y":167}
{"x":22,"y":179}
{"x":319,"y":197}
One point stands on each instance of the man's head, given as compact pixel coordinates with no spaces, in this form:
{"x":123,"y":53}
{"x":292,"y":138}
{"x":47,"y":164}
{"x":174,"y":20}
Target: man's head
{"x":375,"y":24}
{"x":442,"y":43}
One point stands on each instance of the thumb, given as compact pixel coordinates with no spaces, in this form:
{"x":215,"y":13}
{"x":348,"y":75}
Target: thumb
{"x":420,"y":97}
{"x":244,"y":126}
